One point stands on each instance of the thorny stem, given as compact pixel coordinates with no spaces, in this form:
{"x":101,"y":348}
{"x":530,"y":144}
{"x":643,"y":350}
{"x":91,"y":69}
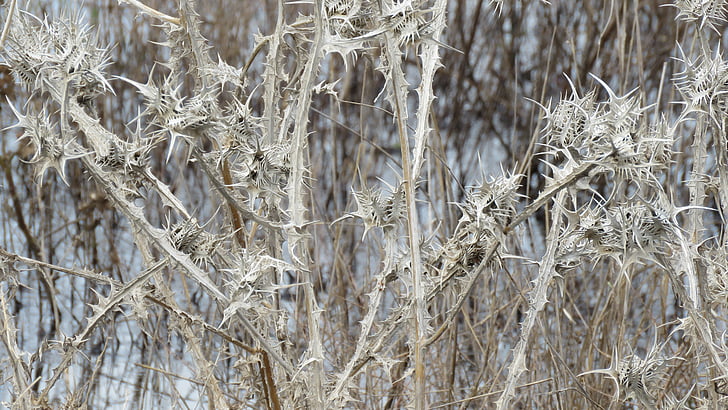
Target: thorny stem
{"x":582,"y":169}
{"x":285,"y":115}
{"x":536,"y":301}
{"x":419,"y":323}
{"x":21,"y":373}
{"x":91,"y":126}
{"x":114,"y":300}
{"x":430,"y":63}
{"x":227,"y":194}
{"x":8,"y":21}
{"x":271,"y":76}
{"x":81,"y":273}
{"x":296,"y":193}
{"x":267,"y":371}
{"x":238,"y":225}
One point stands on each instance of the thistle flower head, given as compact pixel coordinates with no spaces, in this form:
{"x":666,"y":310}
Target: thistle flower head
{"x":605,"y":236}
{"x":574,"y":245}
{"x":369,"y":208}
{"x":492,"y":201}
{"x":408,"y":23}
{"x":26,"y":49}
{"x":349,"y":18}
{"x":377,"y":210}
{"x":132,"y":157}
{"x":189,"y":237}
{"x":704,"y":84}
{"x":633,"y":228}
{"x":262,"y":168}
{"x":157,"y":102}
{"x":640,"y":379}
{"x":51,"y":151}
{"x":55,"y":54}
{"x":240,"y":128}
{"x":567,"y":123}
{"x":710,"y":13}
{"x":191,"y":115}
{"x":611,"y":132}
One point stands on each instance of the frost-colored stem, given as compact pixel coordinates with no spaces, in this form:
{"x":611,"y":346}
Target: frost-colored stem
{"x":375,"y":298}
{"x":271,"y":77}
{"x":105,"y":306}
{"x":430,"y":63}
{"x":419,"y":321}
{"x":697,"y":186}
{"x":21,"y":374}
{"x":162,"y":241}
{"x":579,"y":171}
{"x":297,"y":238}
{"x":8,"y":21}
{"x":537,"y":299}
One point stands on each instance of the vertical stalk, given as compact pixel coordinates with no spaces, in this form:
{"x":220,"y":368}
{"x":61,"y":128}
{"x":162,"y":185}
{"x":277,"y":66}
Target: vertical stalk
{"x":271,"y":78}
{"x":297,"y":241}
{"x":430,"y":63}
{"x":399,"y":86}
{"x":537,"y":299}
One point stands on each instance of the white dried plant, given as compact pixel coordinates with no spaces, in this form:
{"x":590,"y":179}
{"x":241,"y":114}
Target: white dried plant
{"x":638,"y":378}
{"x":602,"y":201}
{"x":709,"y":13}
{"x":51,"y":149}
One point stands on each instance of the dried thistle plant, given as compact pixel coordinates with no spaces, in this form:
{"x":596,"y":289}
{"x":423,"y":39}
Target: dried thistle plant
{"x":449,"y":287}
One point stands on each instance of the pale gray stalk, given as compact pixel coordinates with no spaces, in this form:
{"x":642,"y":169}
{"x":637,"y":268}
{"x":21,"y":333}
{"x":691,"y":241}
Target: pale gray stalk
{"x":430,"y":63}
{"x":161,"y":239}
{"x":297,"y":237}
{"x":81,"y":273}
{"x":21,"y":377}
{"x":271,"y":76}
{"x":339,"y":394}
{"x":419,"y":317}
{"x":8,"y":21}
{"x":537,"y":300}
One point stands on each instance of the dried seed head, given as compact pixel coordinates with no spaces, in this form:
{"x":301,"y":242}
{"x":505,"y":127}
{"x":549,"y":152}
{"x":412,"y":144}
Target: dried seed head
{"x":492,"y":202}
{"x":262,"y":169}
{"x":239,"y":128}
{"x":704,"y":84}
{"x":157,"y":102}
{"x":568,"y":123}
{"x":50,"y":150}
{"x":128,"y":157}
{"x":190,"y":238}
{"x":63,"y":51}
{"x":26,"y":47}
{"x":641,"y":379}
{"x":191,"y":115}
{"x":407,"y":24}
{"x":630,"y":229}
{"x":378,"y":210}
{"x":349,"y":18}
{"x":710,"y":13}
